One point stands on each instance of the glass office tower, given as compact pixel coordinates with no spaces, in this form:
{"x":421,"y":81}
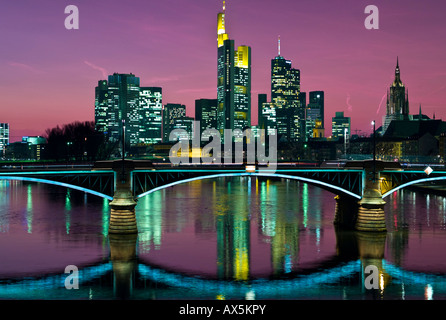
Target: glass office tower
{"x":121,"y":103}
{"x":233,"y":81}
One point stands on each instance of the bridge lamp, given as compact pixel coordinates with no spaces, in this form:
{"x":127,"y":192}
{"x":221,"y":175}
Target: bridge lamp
{"x":374,"y":151}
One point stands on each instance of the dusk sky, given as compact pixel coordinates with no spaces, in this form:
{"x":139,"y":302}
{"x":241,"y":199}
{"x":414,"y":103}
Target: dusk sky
{"x":48,"y":73}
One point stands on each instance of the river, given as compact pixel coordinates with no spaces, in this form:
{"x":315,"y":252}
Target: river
{"x":226,"y":238}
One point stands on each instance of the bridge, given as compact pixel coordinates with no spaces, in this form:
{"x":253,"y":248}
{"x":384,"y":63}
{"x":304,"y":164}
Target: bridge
{"x":360,"y":187}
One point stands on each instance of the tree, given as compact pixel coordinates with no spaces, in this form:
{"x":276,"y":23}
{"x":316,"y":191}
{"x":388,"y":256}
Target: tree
{"x":76,"y":141}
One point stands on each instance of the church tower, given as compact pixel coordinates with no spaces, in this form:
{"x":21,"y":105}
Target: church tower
{"x":397,"y":101}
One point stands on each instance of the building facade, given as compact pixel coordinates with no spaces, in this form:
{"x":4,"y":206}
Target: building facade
{"x":121,"y":104}
{"x":285,"y":90}
{"x":206,"y":114}
{"x":397,"y":106}
{"x":4,"y":137}
{"x":233,"y":81}
{"x":171,"y":112}
{"x":316,"y":99}
{"x":150,"y":115}
{"x":340,"y":126}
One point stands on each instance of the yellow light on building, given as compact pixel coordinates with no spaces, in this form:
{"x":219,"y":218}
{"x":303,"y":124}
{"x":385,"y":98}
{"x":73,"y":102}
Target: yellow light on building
{"x":242,"y":57}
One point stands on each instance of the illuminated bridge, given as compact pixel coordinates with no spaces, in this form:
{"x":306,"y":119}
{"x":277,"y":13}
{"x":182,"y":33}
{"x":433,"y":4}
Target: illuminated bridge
{"x":364,"y":183}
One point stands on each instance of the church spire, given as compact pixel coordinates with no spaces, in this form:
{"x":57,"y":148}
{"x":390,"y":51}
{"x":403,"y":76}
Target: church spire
{"x":397,"y":70}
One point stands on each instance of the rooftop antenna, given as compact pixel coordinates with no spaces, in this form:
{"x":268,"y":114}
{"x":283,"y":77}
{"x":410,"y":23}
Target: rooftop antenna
{"x":278,"y":45}
{"x":224,"y":6}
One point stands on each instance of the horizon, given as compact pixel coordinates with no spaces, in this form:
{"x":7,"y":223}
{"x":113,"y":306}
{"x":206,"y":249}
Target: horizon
{"x":51,"y":72}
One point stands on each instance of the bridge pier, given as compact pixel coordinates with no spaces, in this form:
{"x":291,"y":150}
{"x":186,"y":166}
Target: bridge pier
{"x":122,"y":215}
{"x":346,"y":212}
{"x":371,"y":216}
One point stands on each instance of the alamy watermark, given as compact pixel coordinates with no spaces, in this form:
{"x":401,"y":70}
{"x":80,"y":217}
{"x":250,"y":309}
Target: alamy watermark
{"x":238,"y":147}
{"x":372,"y":20}
{"x":72,"y":20}
{"x":72,"y":280}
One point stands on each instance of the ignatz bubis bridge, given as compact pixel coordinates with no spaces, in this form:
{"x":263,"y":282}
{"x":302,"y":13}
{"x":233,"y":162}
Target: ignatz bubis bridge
{"x":360,"y":186}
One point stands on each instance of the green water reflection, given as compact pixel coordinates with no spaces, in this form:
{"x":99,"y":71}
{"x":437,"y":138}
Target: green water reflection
{"x":228,"y":238}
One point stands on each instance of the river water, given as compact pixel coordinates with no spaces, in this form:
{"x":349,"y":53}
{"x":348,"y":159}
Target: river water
{"x":226,"y":238}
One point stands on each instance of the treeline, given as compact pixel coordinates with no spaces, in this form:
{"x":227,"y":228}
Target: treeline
{"x":77,"y":141}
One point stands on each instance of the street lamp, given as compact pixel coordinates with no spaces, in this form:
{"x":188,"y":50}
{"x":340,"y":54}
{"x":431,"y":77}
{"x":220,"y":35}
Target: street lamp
{"x":123,"y":151}
{"x":345,"y":143}
{"x":374,"y":151}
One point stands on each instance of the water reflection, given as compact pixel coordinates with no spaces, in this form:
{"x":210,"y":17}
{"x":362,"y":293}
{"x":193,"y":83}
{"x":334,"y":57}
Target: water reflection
{"x":244,"y":238}
{"x":123,"y":257}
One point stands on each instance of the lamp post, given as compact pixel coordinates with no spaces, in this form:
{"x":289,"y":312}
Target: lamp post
{"x":123,"y":150}
{"x":374,"y":151}
{"x":345,"y":143}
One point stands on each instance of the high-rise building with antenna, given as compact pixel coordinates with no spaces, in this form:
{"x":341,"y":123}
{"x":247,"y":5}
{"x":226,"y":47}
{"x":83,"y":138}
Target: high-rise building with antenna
{"x":285,"y":89}
{"x":233,"y":80}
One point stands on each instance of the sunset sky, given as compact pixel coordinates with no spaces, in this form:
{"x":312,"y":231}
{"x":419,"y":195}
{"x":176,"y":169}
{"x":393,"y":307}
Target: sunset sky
{"x":48,"y":73}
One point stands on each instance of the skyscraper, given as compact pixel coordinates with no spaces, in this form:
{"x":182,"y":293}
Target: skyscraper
{"x":150,"y":114}
{"x":121,"y":102}
{"x":285,"y":89}
{"x":206,"y":114}
{"x":4,"y":137}
{"x":317,"y":99}
{"x":233,"y":81}
{"x":261,"y":99}
{"x":397,"y":101}
{"x":171,"y":112}
{"x":312,"y":116}
{"x":340,"y":126}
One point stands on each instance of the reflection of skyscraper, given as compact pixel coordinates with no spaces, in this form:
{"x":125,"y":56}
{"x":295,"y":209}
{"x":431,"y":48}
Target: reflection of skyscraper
{"x":233,"y":82}
{"x":233,"y":239}
{"x":397,"y":101}
{"x":285,"y":89}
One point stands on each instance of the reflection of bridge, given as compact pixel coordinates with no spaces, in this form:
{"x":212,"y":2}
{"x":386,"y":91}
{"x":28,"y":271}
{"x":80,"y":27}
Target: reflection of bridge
{"x":126,"y":181}
{"x":128,"y":276}
{"x":129,"y":273}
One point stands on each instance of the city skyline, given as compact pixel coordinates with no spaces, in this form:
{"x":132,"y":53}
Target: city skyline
{"x":52,"y":71}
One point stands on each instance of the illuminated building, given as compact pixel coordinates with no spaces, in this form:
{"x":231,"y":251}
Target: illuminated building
{"x":262,"y":98}
{"x":171,"y":112}
{"x":312,"y":114}
{"x":4,"y":137}
{"x":233,"y":81}
{"x":285,"y":89}
{"x":186,"y":124}
{"x":150,"y":114}
{"x":206,"y":114}
{"x":397,"y":101}
{"x":121,"y":101}
{"x":269,"y":117}
{"x":317,"y":99}
{"x":339,"y":124}
{"x":101,"y":110}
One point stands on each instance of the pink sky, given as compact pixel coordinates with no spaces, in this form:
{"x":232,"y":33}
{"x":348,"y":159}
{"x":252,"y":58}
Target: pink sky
{"x":48,"y":73}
